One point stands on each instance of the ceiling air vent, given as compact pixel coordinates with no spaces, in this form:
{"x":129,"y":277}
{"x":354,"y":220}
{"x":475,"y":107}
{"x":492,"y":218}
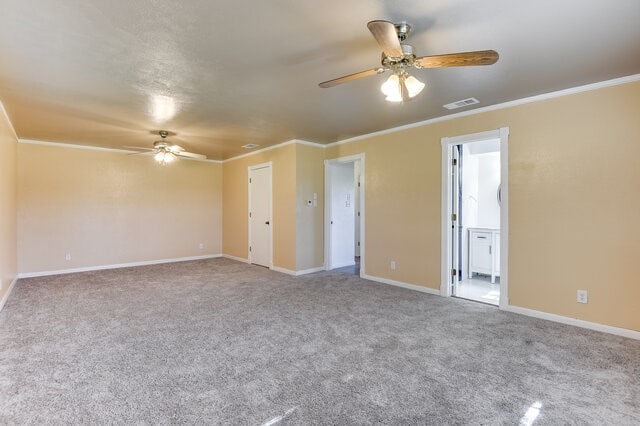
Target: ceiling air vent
{"x":462,"y":103}
{"x":250,"y":146}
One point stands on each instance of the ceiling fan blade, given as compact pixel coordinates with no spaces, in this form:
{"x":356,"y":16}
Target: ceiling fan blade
{"x":351,"y":77}
{"x":175,"y":148}
{"x":190,"y":155}
{"x":462,"y":59}
{"x":139,"y":153}
{"x":139,"y":148}
{"x":385,"y":34}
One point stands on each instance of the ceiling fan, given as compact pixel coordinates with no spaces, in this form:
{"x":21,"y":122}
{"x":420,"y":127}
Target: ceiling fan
{"x":398,"y":58}
{"x":164,"y":152}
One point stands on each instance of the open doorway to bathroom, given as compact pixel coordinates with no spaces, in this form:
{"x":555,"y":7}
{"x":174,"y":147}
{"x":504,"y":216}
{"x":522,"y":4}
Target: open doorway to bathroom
{"x":477,"y":207}
{"x":344,"y":214}
{"x":473,"y":213}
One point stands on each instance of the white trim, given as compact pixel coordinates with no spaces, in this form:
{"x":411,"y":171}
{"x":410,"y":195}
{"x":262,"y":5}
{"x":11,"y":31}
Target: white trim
{"x":309,"y":143}
{"x":509,"y":104}
{"x":268,"y":165}
{"x":279,"y":145}
{"x":297,"y":273}
{"x":447,"y":142}
{"x":114,"y":266}
{"x":11,"y":128}
{"x":103,"y":149}
{"x":310,"y":270}
{"x":504,"y":217}
{"x":283,"y":270}
{"x":239,"y":259}
{"x":327,"y":209}
{"x":7,"y":293}
{"x":541,"y":97}
{"x":395,"y":283}
{"x":624,"y":332}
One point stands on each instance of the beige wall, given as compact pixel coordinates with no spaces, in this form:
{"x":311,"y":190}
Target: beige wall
{"x":574,"y":176}
{"x":235,"y":205}
{"x":310,"y":225}
{"x":8,"y":203}
{"x":573,"y":204}
{"x":109,"y":208}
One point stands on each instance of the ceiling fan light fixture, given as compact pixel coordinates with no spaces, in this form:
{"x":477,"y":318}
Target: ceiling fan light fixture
{"x":413,"y":85}
{"x":165,"y":157}
{"x":391,"y":88}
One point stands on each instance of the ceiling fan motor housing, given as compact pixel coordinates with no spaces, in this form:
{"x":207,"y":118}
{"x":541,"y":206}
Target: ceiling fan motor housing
{"x":402,"y":29}
{"x":399,"y":64}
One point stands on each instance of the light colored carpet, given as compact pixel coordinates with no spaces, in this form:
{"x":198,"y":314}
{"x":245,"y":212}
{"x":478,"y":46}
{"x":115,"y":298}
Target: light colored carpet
{"x":217,"y":341}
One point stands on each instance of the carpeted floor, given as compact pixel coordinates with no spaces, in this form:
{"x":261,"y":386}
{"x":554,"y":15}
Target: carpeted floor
{"x":217,"y":341}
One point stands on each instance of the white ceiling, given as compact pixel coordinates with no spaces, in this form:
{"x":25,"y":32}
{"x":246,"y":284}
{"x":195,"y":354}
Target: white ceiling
{"x":247,"y":71}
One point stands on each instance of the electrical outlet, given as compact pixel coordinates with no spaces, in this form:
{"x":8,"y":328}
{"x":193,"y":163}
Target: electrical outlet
{"x":582,"y":296}
{"x":67,"y":256}
{"x":392,"y":265}
{"x":201,"y":246}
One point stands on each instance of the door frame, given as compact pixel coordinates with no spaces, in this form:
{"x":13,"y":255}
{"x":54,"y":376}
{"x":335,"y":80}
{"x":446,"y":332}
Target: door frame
{"x":327,"y":207}
{"x":447,"y":142}
{"x":249,"y":170}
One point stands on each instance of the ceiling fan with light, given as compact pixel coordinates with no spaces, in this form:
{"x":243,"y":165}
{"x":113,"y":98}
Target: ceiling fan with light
{"x":398,"y":58}
{"x":164,"y":152}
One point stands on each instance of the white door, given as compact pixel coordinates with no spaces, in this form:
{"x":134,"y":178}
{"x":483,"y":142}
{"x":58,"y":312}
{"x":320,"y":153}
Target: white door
{"x":342,"y":215}
{"x":356,"y":203}
{"x":260,"y":215}
{"x":455,"y":223}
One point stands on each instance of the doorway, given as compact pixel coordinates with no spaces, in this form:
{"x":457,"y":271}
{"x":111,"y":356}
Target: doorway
{"x":260,"y":221}
{"x":475,"y":214}
{"x":344,"y":214}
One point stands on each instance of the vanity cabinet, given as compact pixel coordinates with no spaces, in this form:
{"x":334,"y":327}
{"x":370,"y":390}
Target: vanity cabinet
{"x":484,"y":252}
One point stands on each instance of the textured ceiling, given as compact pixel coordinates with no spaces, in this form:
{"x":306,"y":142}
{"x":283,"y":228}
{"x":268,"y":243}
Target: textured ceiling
{"x":224,"y":74}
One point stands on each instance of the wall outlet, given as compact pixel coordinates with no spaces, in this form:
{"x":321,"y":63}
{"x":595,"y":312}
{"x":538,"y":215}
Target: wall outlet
{"x":392,"y":265}
{"x":67,"y":256}
{"x":582,"y":296}
{"x":201,"y":246}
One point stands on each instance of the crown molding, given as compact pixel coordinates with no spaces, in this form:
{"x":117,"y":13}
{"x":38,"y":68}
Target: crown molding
{"x":537,"y":98}
{"x":509,"y":104}
{"x":99,"y":148}
{"x":280,"y":145}
{"x":6,"y":116}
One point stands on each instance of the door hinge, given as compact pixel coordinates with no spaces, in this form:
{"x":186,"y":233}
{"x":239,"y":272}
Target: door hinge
{"x":249,"y":248}
{"x":358,"y":184}
{"x":358,"y":243}
{"x":358,"y":214}
{"x":249,"y":214}
{"x":249,"y":180}
{"x":454,"y":272}
{"x":454,"y":217}
{"x":454,"y":161}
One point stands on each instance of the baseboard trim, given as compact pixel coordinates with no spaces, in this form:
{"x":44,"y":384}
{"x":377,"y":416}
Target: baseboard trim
{"x":342,"y":265}
{"x":296,"y":273}
{"x":310,"y":270}
{"x":6,"y":295}
{"x":283,"y":270}
{"x":114,"y":266}
{"x":239,"y":259}
{"x":624,"y":332}
{"x":395,"y":283}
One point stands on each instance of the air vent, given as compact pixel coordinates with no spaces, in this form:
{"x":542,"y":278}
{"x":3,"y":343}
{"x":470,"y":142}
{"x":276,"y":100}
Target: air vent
{"x":462,"y":103}
{"x":250,"y":146}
